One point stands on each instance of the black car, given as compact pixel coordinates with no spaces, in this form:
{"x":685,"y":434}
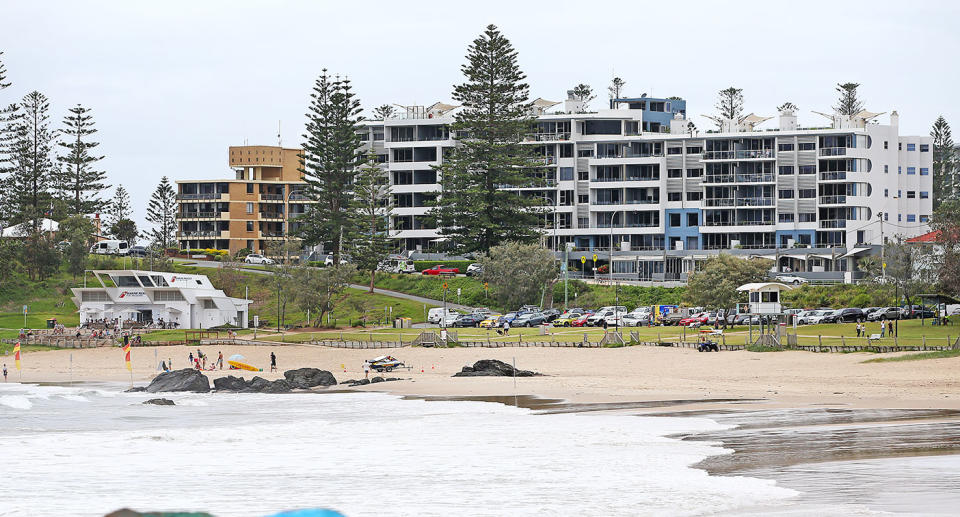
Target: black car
{"x":551,"y":314}
{"x":851,"y":315}
{"x":468,"y":320}
{"x":919,"y":312}
{"x":137,"y":251}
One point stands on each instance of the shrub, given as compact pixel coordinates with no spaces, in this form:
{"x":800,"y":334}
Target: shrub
{"x":420,"y":265}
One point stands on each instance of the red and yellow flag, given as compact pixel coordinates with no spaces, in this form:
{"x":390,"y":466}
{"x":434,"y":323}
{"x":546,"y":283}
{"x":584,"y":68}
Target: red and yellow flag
{"x":16,"y":355}
{"x":126,"y":353}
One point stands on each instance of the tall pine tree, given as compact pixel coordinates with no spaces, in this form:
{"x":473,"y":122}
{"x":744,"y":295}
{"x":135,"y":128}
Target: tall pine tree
{"x":472,"y":208}
{"x":729,"y":105}
{"x":31,"y":170}
{"x":371,"y":242}
{"x":848,"y":103}
{"x":119,"y":207}
{"x":78,"y":182}
{"x":329,"y":160}
{"x":945,"y":184}
{"x":7,"y":114}
{"x":162,"y":213}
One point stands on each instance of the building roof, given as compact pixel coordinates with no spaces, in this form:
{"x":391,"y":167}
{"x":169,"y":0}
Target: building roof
{"x":928,"y":237}
{"x":756,"y":286}
{"x":23,"y":229}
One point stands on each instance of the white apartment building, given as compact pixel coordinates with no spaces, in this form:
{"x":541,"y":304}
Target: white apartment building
{"x":641,"y":183}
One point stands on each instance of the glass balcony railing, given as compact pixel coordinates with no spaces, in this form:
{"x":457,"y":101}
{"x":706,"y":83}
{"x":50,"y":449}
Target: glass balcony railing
{"x":833,"y":176}
{"x":739,"y":178}
{"x":833,"y":223}
{"x":205,"y":195}
{"x":759,"y":154}
{"x":833,"y":200}
{"x":833,"y":151}
{"x":198,"y":215}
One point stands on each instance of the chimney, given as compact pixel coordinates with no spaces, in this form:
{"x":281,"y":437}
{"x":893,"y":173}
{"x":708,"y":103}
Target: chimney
{"x":572,"y":104}
{"x":788,"y":120}
{"x":894,"y":118}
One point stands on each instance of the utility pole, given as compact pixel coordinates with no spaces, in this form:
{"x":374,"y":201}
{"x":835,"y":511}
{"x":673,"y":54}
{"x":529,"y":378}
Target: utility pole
{"x":883,"y":249}
{"x":566,"y":272}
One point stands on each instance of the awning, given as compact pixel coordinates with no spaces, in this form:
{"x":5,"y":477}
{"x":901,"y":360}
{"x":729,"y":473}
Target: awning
{"x":224,"y":304}
{"x":823,"y":256}
{"x":853,"y":252}
{"x":174,"y":309}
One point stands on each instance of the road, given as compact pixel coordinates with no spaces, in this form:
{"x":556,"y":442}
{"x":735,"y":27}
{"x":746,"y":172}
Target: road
{"x":385,"y":292}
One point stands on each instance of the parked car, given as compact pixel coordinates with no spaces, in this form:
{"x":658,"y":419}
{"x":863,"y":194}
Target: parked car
{"x":917,"y":311}
{"x":137,"y":251}
{"x":256,"y":258}
{"x":565,"y":319}
{"x":849,"y":315}
{"x":581,"y":321}
{"x":598,"y":318}
{"x":711,"y":318}
{"x":746,"y":319}
{"x":885,"y":313}
{"x":490,"y":321}
{"x":474,"y":269}
{"x":635,"y":319}
{"x":437,"y":314}
{"x":551,"y":314}
{"x":392,"y":265}
{"x":803,"y":317}
{"x":698,"y":319}
{"x":791,"y":279}
{"x":441,"y":270}
{"x":467,"y":320}
{"x":110,"y":247}
{"x":529,"y":320}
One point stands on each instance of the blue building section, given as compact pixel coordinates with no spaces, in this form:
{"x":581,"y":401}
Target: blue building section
{"x":807,"y":237}
{"x":657,"y":113}
{"x":683,"y":225}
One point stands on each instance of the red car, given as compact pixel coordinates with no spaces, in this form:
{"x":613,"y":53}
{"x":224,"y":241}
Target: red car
{"x":699,"y":318}
{"x":441,"y":270}
{"x":581,"y":321}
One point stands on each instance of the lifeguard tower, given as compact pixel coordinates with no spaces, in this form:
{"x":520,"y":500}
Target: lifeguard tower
{"x":765,"y":303}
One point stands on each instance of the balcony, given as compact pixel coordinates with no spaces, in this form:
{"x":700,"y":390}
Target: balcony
{"x":547,"y":137}
{"x":740,"y":222}
{"x":627,"y":153}
{"x":739,"y":178}
{"x":271,"y":215}
{"x":833,"y":151}
{"x":271,"y":197}
{"x":198,"y":234}
{"x":833,"y":200}
{"x":833,"y":223}
{"x":198,"y":215}
{"x":755,"y":201}
{"x":206,"y":195}
{"x":760,"y":154}
{"x":833,"y":176}
{"x":297,"y":196}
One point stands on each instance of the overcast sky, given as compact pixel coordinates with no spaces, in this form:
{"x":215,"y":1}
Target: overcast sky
{"x":173,"y":83}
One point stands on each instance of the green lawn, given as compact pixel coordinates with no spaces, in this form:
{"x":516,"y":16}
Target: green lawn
{"x":909,"y":332}
{"x":6,"y":349}
{"x":940,"y":354}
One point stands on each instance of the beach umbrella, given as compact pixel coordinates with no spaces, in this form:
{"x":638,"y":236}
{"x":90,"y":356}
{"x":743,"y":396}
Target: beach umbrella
{"x":237,"y":357}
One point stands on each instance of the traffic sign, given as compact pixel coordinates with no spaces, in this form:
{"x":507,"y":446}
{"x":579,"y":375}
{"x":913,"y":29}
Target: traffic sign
{"x":583,"y":259}
{"x":444,"y":285}
{"x":594,"y":257}
{"x":24,"y":309}
{"x":486,"y":285}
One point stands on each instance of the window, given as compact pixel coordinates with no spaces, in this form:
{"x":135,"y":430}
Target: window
{"x":694,"y":150}
{"x":167,"y":296}
{"x":886,"y":192}
{"x":403,"y":154}
{"x":886,"y":168}
{"x":566,"y":150}
{"x":807,"y":193}
{"x":924,"y":171}
{"x":208,"y":304}
{"x":911,"y":194}
{"x":785,"y":194}
{"x":694,"y":196}
{"x":566,"y":197}
{"x":785,"y":218}
{"x":911,"y":147}
{"x":807,"y":169}
{"x":899,"y":218}
{"x":899,"y":193}
{"x":249,"y":188}
{"x":806,"y":146}
{"x":924,"y":218}
{"x":674,"y":150}
{"x":786,"y":170}
{"x":899,"y":169}
{"x":674,"y":220}
{"x":249,"y":226}
{"x":886,"y":216}
{"x":583,"y":222}
{"x":911,"y":171}
{"x":784,"y":147}
{"x":673,"y":196}
{"x":693,"y":219}
{"x":566,"y":173}
{"x":808,"y":217}
{"x":694,"y":173}
{"x":924,"y":148}
{"x":899,"y":146}
{"x":94,"y":296}
{"x":584,"y":153}
{"x":249,"y":208}
{"x":924,"y":194}
{"x":583,"y":199}
{"x":674,"y":173}
{"x":911,"y":218}
{"x":583,"y":175}
{"x":886,"y":144}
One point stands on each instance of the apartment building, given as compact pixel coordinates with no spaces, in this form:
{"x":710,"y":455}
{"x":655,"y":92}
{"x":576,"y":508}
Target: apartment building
{"x":640,"y":183}
{"x":256,"y":205}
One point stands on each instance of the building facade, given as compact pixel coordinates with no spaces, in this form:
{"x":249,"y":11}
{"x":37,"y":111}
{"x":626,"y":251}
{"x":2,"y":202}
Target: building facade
{"x":187,"y":301}
{"x":637,"y":184}
{"x":255,"y":206}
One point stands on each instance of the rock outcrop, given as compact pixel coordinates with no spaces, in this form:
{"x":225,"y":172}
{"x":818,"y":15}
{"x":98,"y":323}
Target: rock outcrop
{"x":159,"y":402}
{"x":492,"y":368}
{"x":306,"y":378}
{"x":229,"y":383}
{"x":180,"y":380}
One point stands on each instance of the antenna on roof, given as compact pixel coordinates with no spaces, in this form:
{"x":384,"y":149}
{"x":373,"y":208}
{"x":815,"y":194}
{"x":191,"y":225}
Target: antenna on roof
{"x":279,"y":141}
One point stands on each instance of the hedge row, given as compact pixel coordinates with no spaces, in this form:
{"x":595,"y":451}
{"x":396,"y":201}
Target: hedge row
{"x":420,"y":265}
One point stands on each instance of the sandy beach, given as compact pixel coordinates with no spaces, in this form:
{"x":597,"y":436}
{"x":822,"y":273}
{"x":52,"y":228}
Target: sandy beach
{"x":781,"y":379}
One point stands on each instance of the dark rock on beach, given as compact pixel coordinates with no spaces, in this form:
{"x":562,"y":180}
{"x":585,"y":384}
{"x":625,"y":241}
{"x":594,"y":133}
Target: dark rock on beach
{"x":376,"y":379}
{"x":492,"y":368}
{"x":305,"y":378}
{"x":260,"y":385}
{"x":138,"y":389}
{"x":230,"y":383}
{"x":159,"y":402}
{"x":180,"y":380}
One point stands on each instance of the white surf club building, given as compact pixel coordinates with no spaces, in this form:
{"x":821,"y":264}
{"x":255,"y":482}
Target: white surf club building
{"x":190,"y":301}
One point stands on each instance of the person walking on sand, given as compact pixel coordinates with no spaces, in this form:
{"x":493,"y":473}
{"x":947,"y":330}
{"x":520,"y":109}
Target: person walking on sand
{"x":4,"y":372}
{"x":190,"y":358}
{"x":220,"y":359}
{"x":366,"y":369}
{"x":273,"y":362}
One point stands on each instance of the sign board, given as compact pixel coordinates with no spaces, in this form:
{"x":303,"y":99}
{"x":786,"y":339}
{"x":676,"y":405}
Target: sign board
{"x":458,"y":291}
{"x":256,"y":320}
{"x":24,"y":309}
{"x":594,"y":257}
{"x":444,"y":285}
{"x":583,"y":259}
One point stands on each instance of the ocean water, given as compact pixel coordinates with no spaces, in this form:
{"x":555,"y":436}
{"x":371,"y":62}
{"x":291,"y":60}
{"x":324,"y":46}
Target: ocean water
{"x":93,"y":449}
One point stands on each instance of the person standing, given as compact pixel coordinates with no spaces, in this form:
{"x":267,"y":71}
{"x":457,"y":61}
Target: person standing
{"x":190,"y":358}
{"x":220,"y":359}
{"x":883,"y":329}
{"x":366,"y":369}
{"x":4,"y":372}
{"x":506,"y":327}
{"x":273,"y":362}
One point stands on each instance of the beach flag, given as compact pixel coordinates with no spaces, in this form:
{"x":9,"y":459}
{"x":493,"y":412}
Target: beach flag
{"x":16,"y":355}
{"x":126,"y":352}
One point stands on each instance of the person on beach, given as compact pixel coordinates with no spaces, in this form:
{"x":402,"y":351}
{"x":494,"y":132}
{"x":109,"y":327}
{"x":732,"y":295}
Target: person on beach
{"x":220,"y":359}
{"x":366,"y":369}
{"x":506,"y":327}
{"x":273,"y":362}
{"x":4,"y":372}
{"x":190,"y":358}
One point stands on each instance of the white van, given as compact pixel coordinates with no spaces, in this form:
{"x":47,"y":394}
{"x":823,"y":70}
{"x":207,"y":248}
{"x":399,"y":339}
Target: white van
{"x":110,"y":247}
{"x":603,"y":313}
{"x":397,"y":265}
{"x":438,"y":314}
